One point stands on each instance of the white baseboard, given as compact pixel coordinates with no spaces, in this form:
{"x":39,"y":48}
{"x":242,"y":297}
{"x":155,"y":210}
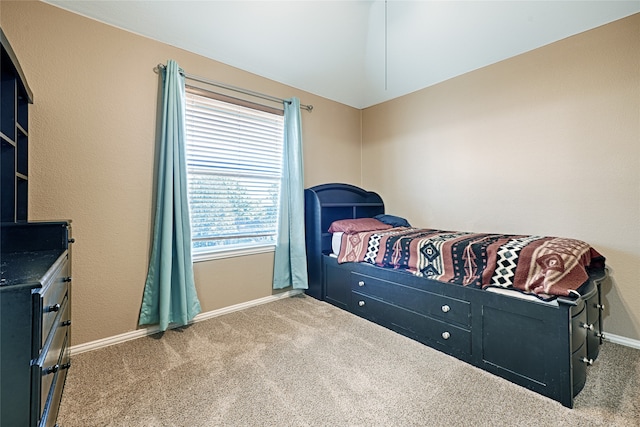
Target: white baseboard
{"x":617,"y":339}
{"x":139,"y":333}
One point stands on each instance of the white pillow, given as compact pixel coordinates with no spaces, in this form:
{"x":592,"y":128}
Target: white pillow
{"x":336,"y":242}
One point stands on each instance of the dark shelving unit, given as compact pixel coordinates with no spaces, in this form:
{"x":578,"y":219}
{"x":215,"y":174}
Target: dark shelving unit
{"x":35,"y":273}
{"x":14,"y":137}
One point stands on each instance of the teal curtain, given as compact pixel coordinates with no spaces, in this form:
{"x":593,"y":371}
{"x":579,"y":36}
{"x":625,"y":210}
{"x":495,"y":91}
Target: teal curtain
{"x":290,"y":262}
{"x":169,"y":292}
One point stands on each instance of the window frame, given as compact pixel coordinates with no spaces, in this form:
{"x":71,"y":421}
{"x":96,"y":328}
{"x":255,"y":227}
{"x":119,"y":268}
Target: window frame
{"x":247,"y":249}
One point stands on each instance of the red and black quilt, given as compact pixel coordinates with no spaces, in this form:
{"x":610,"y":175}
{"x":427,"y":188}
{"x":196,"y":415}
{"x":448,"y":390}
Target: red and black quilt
{"x":543,"y":266}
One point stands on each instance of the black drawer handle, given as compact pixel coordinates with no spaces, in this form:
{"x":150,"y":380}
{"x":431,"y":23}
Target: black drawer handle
{"x":52,"y":308}
{"x":66,"y":323}
{"x":71,"y":240}
{"x":587,"y":361}
{"x":51,"y":370}
{"x":67,"y":279}
{"x":55,"y":368}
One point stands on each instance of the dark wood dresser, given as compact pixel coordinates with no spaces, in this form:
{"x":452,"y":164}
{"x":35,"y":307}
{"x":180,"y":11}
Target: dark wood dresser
{"x":35,"y":320}
{"x":35,"y":274}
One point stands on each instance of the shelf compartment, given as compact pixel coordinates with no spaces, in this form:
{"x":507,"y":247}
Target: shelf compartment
{"x":22,"y":109}
{"x":22,"y":193}
{"x":7,"y":181}
{"x":8,"y":104}
{"x":22,"y":154}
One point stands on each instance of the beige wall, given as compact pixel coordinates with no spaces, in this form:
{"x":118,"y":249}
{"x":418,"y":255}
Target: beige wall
{"x":92,"y":136}
{"x":544,"y":143}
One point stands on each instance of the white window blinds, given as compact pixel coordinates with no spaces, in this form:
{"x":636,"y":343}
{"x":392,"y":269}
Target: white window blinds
{"x":234,"y":163}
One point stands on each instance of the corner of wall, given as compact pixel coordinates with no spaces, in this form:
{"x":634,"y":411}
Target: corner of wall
{"x":361,"y":143}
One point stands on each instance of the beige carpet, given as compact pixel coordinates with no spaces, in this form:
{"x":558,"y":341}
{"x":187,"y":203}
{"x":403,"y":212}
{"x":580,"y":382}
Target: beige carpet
{"x":302,"y":362}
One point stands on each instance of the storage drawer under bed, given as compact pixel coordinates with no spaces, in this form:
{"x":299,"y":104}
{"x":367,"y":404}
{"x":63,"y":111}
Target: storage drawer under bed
{"x":430,"y":304}
{"x":579,"y":364}
{"x":422,"y":328}
{"x":594,"y":325}
{"x":578,"y":327}
{"x":585,"y":324}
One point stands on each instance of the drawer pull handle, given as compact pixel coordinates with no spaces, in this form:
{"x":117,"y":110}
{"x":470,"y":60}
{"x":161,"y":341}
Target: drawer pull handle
{"x":587,"y":361}
{"x":53,"y":308}
{"x":599,"y":334}
{"x":71,"y":240}
{"x":446,"y":335}
{"x":361,"y":283}
{"x":588,"y":326}
{"x":446,"y":308}
{"x":66,"y":323}
{"x":67,"y":279}
{"x":51,"y":370}
{"x":361,"y":303}
{"x":65,"y":366}
{"x":600,"y":306}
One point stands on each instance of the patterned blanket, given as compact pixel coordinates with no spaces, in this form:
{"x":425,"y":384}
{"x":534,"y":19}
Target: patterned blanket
{"x":543,"y":266}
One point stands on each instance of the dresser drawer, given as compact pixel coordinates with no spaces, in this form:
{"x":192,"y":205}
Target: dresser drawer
{"x":578,"y":330}
{"x":579,"y":364}
{"x":450,"y":338}
{"x":52,"y":403}
{"x":594,"y":308}
{"x":448,"y":309}
{"x":593,"y":341}
{"x":48,"y":299}
{"x":594,"y":325}
{"x":52,"y":360}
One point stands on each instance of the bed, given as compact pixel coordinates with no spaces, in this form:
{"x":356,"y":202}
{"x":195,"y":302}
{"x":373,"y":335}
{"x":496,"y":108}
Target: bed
{"x":542,"y":339}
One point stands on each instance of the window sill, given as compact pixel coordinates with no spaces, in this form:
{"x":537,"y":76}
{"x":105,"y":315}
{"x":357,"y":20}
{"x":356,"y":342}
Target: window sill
{"x":232,"y":253}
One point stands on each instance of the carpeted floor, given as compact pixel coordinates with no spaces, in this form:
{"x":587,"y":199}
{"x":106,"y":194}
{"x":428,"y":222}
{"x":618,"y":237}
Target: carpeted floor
{"x":302,"y":362}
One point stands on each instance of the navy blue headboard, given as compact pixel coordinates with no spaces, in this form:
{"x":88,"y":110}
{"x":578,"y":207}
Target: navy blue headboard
{"x":323,"y":205}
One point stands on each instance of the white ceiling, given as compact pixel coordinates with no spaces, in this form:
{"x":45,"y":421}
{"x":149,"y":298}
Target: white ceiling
{"x":337,"y":49}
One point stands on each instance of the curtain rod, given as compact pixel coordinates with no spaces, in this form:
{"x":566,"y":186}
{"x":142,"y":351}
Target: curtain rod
{"x":159,"y":67}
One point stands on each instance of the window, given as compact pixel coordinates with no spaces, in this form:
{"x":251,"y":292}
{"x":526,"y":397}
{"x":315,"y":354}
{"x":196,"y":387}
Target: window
{"x":234,"y":166}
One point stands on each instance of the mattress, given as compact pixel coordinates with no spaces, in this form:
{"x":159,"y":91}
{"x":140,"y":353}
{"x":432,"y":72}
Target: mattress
{"x":336,"y":244}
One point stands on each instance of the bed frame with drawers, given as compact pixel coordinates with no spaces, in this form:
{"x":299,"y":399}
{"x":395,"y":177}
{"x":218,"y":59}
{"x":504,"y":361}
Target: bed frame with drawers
{"x":545,"y":347}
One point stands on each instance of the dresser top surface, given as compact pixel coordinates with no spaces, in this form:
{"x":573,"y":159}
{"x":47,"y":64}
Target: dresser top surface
{"x":26,"y":267}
